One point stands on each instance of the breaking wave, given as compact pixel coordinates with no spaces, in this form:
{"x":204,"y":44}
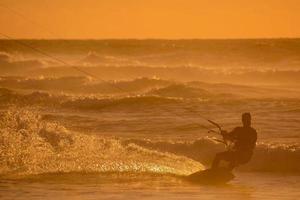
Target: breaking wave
{"x":120,"y":103}
{"x":267,"y":157}
{"x":174,"y":94}
{"x":9,"y":97}
{"x":80,"y":84}
{"x":15,"y":65}
{"x":95,"y":59}
{"x":30,"y":145}
{"x":180,"y":90}
{"x":182,"y":73}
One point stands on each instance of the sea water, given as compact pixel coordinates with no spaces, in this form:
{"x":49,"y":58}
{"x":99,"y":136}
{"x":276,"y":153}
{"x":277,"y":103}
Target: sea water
{"x":127,"y":118}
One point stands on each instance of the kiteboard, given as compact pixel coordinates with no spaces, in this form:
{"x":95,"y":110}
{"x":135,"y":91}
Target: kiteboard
{"x":211,"y":176}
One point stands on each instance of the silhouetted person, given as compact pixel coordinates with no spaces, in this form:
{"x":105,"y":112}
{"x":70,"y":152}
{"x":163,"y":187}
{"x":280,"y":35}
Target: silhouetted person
{"x":244,"y":139}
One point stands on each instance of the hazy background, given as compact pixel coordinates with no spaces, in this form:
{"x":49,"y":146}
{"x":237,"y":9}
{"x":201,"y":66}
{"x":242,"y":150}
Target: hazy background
{"x":171,"y":19}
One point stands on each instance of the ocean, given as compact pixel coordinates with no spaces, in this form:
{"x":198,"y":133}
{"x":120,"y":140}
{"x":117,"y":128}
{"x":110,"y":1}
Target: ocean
{"x":126,"y":119}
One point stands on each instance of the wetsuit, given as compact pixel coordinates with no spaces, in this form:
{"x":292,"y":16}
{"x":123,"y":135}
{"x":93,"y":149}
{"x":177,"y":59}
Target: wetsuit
{"x":244,"y":139}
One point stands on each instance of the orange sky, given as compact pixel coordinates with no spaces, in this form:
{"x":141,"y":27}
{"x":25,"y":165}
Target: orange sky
{"x":171,"y":19}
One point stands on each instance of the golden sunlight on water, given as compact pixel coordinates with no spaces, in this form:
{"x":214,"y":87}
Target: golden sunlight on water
{"x":166,"y":114}
{"x":137,"y":186}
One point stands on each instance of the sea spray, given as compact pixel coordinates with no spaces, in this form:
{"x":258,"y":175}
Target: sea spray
{"x":30,"y":145}
{"x":267,"y":157}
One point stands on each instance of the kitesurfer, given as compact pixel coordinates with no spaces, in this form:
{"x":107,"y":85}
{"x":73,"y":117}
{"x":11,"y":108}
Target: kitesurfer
{"x":244,"y":140}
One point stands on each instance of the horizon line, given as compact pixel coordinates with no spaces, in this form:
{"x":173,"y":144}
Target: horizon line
{"x":170,"y":39}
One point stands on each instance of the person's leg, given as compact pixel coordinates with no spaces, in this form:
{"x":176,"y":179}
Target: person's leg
{"x":226,"y":156}
{"x":217,"y":159}
{"x":232,"y":165}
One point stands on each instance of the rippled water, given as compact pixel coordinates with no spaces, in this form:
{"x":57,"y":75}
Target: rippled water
{"x":64,"y":135}
{"x":97,"y":186}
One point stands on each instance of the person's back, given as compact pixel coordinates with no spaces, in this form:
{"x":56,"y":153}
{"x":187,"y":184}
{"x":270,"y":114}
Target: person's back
{"x":244,"y":138}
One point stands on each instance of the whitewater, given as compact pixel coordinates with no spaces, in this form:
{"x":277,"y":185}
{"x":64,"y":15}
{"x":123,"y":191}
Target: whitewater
{"x":136,"y":128}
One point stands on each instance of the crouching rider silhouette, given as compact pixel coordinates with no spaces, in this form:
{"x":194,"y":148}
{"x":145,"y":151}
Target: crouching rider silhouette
{"x":244,"y":141}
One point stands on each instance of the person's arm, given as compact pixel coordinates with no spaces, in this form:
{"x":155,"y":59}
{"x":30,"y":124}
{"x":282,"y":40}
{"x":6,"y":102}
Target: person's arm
{"x":230,"y":135}
{"x":254,"y":138}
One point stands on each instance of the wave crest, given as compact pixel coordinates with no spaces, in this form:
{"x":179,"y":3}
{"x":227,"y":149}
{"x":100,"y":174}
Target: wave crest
{"x":86,"y":102}
{"x":30,"y":145}
{"x":120,"y":103}
{"x":266,"y":157}
{"x":13,"y":65}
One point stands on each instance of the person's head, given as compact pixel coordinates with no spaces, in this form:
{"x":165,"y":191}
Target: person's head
{"x":246,"y":119}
